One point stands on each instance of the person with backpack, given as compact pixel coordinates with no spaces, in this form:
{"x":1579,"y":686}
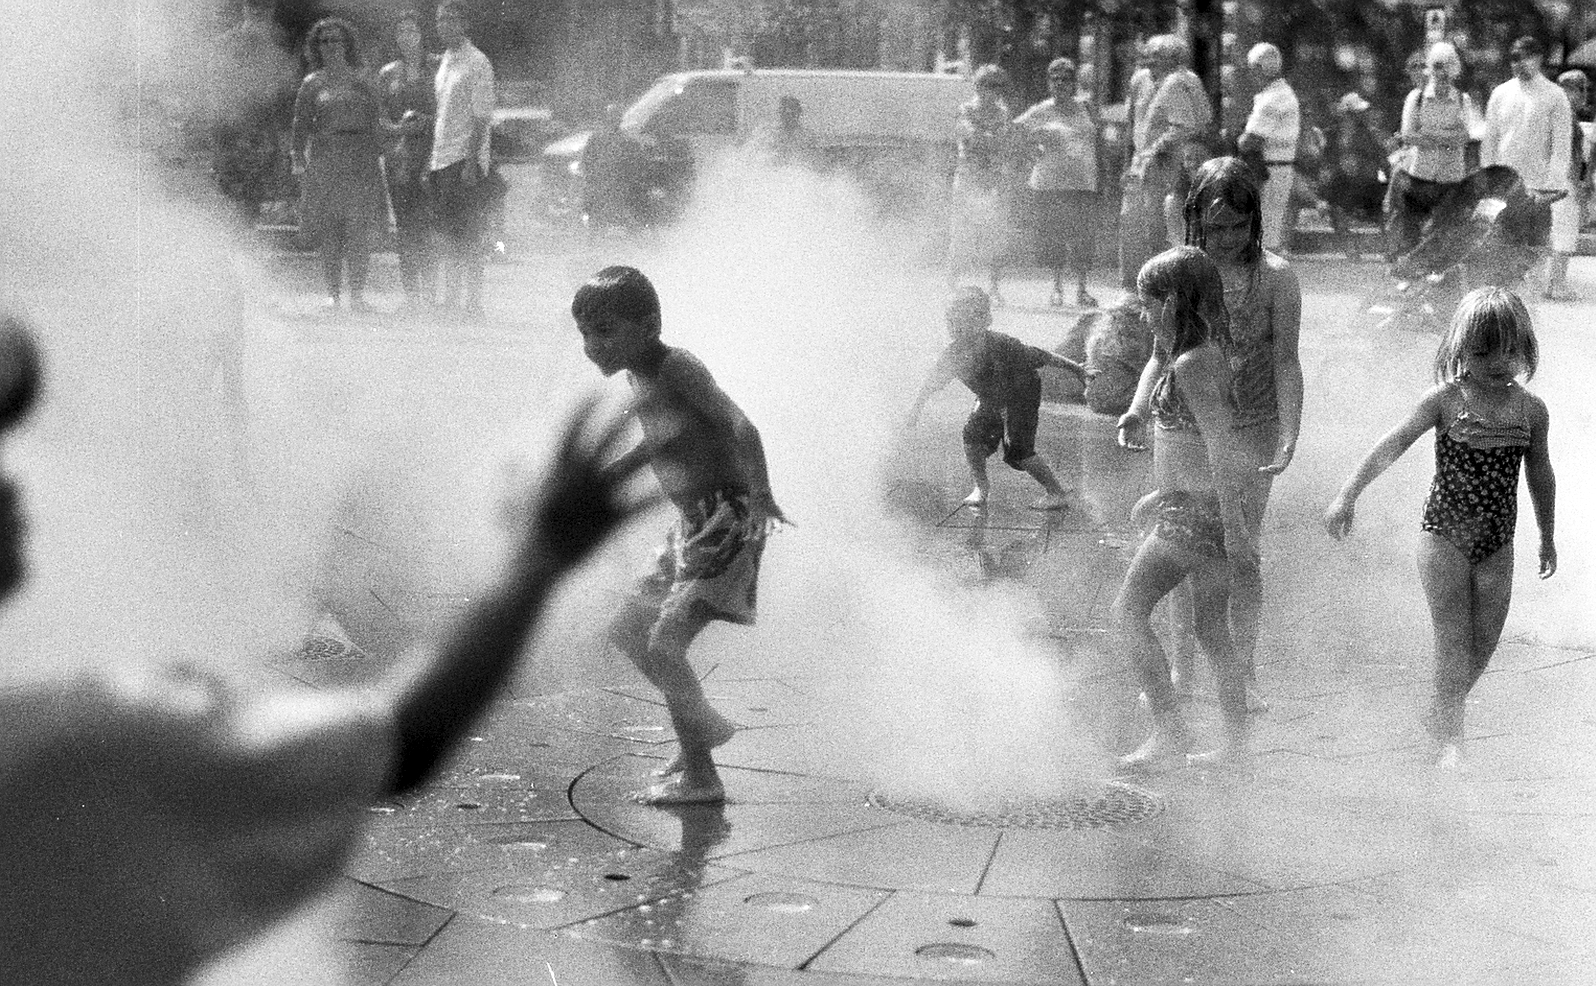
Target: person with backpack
{"x":1430,"y":165}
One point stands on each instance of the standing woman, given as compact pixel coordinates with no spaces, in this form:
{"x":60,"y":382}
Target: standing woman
{"x":1064,"y":180}
{"x":1224,"y":217}
{"x":338,"y":141}
{"x":981,"y":207}
{"x":1435,"y":132}
{"x":409,"y":103}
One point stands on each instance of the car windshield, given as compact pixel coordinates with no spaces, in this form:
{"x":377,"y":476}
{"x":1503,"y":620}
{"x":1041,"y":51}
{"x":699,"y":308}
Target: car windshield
{"x":660,"y":92}
{"x":678,"y":106}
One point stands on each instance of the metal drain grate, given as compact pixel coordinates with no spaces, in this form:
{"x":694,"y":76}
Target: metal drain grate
{"x":326,"y":649}
{"x":1110,"y":805}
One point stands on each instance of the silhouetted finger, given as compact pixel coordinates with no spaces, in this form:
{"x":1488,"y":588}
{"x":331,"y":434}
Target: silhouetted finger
{"x":614,"y":429}
{"x":576,"y":422}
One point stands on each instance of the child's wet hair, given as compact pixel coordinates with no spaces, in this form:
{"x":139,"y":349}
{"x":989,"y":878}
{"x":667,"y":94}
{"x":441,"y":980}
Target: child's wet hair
{"x":1188,"y":277}
{"x":1227,"y":181}
{"x":1487,"y":320}
{"x":618,"y":291}
{"x":969,"y":306}
{"x":19,"y":371}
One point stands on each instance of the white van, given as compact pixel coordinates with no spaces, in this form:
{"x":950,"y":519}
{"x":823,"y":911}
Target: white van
{"x":857,"y":118}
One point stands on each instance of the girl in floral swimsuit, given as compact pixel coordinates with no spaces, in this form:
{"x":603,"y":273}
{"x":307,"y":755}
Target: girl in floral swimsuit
{"x":1486,"y":424}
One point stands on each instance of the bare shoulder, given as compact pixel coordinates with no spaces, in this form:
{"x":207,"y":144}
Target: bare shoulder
{"x":1440,"y":400}
{"x":681,"y":370}
{"x":687,"y":381}
{"x":1278,"y":272}
{"x":1535,"y":409}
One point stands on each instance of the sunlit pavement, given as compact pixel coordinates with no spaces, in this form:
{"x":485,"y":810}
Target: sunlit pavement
{"x":1337,"y":855}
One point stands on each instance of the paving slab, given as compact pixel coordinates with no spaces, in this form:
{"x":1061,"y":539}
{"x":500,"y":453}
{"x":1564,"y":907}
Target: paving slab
{"x":1090,"y":864}
{"x":498,"y":954}
{"x":935,"y":937}
{"x":365,"y":964}
{"x":910,"y":855}
{"x":388,"y":854}
{"x":374,"y":916}
{"x":754,"y":918}
{"x":561,"y":892}
{"x":1177,"y":942}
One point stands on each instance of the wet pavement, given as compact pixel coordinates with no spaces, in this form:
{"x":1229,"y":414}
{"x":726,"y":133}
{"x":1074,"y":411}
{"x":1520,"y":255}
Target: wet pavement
{"x":1337,"y":855}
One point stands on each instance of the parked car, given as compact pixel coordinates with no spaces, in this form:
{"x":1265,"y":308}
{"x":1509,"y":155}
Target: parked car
{"x":893,"y":129}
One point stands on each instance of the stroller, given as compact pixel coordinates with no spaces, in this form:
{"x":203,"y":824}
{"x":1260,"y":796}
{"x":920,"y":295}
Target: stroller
{"x":1491,"y":231}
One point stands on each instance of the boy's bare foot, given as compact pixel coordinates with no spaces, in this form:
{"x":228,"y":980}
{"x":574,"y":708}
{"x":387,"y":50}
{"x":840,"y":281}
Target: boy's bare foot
{"x":1256,"y":703}
{"x":683,"y":789}
{"x":1053,"y":501}
{"x":1449,"y":757}
{"x":977,"y":498}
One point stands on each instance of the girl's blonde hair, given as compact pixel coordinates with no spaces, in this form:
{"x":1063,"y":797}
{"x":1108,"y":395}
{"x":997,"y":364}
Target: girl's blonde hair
{"x":1443,"y":53}
{"x":1188,"y":277}
{"x":1487,"y":320}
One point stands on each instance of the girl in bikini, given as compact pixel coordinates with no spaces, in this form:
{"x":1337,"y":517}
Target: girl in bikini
{"x":1485,"y":425}
{"x":1195,"y":519}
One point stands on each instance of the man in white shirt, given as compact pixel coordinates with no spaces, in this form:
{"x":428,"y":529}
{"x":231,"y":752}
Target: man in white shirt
{"x":1527,"y":127}
{"x":1273,"y":128}
{"x":460,"y":157}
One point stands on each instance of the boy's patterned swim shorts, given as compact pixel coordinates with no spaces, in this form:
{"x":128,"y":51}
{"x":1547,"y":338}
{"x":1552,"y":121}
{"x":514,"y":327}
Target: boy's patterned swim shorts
{"x":708,"y":564}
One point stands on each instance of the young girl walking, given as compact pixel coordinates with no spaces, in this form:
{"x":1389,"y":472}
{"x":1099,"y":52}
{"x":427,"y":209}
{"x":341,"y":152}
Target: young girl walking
{"x":1486,"y":423}
{"x":1195,"y":517}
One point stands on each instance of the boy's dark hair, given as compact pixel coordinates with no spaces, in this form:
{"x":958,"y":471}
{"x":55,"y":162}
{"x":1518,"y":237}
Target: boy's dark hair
{"x":456,"y":8}
{"x":970,"y":304}
{"x":620,"y":291}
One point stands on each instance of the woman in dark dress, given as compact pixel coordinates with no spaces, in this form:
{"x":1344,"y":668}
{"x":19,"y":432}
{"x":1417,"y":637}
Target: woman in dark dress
{"x":409,"y":103}
{"x":338,"y":144}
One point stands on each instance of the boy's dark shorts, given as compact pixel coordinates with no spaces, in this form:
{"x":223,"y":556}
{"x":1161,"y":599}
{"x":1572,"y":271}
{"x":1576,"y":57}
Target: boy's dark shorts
{"x":1011,"y":426}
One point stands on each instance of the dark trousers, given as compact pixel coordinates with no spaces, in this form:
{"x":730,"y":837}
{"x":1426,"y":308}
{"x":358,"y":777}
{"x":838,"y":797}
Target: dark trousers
{"x":461,"y":227}
{"x":413,"y":229}
{"x":1413,"y":202}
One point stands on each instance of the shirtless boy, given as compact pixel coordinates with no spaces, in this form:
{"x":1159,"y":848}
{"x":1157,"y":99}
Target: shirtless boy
{"x":710,"y":463}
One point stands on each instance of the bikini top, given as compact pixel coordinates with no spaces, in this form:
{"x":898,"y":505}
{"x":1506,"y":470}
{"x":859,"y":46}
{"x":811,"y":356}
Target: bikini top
{"x":1170,"y":409}
{"x":1508,"y":429}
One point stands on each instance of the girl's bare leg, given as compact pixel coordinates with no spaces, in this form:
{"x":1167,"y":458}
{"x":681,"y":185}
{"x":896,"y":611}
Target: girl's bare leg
{"x":1493,"y":593}
{"x":1445,"y":575}
{"x":1156,"y":569}
{"x":1210,"y":592}
{"x":1182,"y":639}
{"x":1246,"y":591}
